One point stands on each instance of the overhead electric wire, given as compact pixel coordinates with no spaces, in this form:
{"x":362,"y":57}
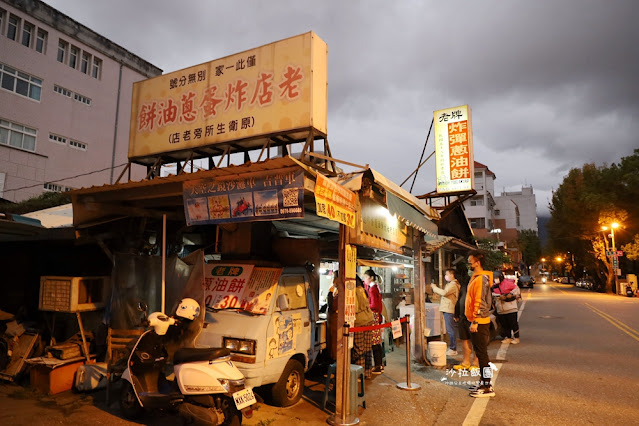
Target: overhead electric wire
{"x":67,"y":178}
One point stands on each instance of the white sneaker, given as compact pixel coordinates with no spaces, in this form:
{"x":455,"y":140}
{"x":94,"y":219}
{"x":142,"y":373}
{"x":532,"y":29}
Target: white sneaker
{"x":507,"y":340}
{"x":451,"y":352}
{"x":515,"y":341}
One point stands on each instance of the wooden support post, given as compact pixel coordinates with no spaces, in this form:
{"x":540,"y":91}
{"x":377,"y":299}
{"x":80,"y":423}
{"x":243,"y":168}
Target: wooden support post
{"x":419,"y":289}
{"x":84,"y":339}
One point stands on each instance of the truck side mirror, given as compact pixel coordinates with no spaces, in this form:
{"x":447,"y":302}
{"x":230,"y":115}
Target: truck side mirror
{"x":282,"y":302}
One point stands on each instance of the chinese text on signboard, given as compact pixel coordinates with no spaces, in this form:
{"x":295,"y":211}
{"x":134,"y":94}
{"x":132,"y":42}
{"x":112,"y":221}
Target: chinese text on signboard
{"x":275,"y":88}
{"x":267,"y":195}
{"x":454,"y":149}
{"x":334,"y":201}
{"x":240,"y":286}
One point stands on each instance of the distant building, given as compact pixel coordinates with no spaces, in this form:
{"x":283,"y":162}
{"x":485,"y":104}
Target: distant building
{"x":518,"y":208}
{"x":500,"y":217}
{"x":65,"y":102}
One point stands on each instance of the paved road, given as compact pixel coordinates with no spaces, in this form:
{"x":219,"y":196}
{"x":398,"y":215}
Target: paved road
{"x":578,"y":363}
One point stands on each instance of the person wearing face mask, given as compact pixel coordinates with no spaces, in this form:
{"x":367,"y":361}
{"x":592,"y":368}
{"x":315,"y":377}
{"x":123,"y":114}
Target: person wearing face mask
{"x":371,"y":283}
{"x":477,"y":311}
{"x":449,"y":295}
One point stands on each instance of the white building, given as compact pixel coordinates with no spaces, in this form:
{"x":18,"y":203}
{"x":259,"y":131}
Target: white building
{"x":65,"y":102}
{"x":518,"y":208}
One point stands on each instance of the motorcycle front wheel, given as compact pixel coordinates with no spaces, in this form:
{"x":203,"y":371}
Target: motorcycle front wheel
{"x":129,"y":404}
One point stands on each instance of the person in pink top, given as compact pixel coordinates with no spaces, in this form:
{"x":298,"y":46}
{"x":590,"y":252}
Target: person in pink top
{"x":371,"y":282}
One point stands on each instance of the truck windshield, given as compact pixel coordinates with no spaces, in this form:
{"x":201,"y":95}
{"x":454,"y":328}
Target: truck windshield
{"x":293,"y":286}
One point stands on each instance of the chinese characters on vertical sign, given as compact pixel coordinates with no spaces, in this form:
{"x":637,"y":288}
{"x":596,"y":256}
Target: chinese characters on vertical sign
{"x":350,"y":269}
{"x":266,"y":195}
{"x":454,"y":149}
{"x":270,"y":89}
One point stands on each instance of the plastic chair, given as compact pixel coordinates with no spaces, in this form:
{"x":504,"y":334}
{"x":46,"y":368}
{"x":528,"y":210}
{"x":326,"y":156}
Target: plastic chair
{"x":357,"y":396}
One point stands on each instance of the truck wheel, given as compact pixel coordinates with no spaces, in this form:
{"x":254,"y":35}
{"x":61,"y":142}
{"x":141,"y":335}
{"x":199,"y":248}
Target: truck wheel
{"x":129,"y":404}
{"x":289,"y":388}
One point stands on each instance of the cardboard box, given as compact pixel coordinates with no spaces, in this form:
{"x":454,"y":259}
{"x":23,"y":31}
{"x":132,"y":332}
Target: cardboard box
{"x":54,"y":380}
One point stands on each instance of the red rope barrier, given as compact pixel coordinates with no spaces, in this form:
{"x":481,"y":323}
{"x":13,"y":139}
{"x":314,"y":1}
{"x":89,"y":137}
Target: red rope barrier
{"x":373,"y":327}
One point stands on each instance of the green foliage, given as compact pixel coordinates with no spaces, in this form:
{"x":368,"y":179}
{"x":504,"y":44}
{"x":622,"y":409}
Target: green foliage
{"x":43,"y":201}
{"x":632,"y":249}
{"x":529,"y":246}
{"x":588,"y":198}
{"x":493,"y":257}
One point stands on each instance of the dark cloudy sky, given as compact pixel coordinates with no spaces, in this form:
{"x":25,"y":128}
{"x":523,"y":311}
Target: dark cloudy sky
{"x":552,"y":84}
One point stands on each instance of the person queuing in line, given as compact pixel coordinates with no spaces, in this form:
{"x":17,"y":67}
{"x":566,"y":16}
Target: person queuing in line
{"x":478,"y":304}
{"x":463,"y":331}
{"x":449,"y":295}
{"x":505,"y":296}
{"x":371,"y":283}
{"x":361,"y":354}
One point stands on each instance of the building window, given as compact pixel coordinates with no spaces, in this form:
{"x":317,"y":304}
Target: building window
{"x":41,"y":41}
{"x":62,"y":91}
{"x":78,"y":145}
{"x":86,"y":59}
{"x":62,"y":50}
{"x":54,"y":187}
{"x":73,"y":57}
{"x":97,"y":68}
{"x":17,"y":135}
{"x":59,"y":139}
{"x":27,"y":34}
{"x":478,"y":175}
{"x":12,"y":31}
{"x":497,"y":212}
{"x":20,"y":82}
{"x":477,"y":201}
{"x":477,"y":222}
{"x":78,"y":97}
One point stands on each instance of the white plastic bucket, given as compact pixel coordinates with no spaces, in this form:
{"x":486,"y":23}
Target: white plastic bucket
{"x":437,"y":353}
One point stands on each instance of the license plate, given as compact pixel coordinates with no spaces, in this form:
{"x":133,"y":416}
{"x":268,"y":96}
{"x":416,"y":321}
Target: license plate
{"x":244,"y":398}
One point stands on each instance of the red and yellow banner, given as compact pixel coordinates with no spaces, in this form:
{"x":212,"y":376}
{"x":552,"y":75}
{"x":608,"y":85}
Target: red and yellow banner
{"x":334,"y":202}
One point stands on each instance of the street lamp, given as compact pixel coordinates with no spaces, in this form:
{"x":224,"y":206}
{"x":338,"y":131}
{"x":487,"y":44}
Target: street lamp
{"x":613,"y":225}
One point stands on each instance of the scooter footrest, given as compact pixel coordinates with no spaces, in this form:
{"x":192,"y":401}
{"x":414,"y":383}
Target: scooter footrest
{"x":157,"y":399}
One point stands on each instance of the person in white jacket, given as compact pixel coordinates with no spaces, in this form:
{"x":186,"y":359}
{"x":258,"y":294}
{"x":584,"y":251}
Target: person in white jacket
{"x":449,"y":295}
{"x":505,"y":294}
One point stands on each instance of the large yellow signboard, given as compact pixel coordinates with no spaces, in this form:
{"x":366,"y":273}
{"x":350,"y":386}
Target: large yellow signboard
{"x":454,"y":149}
{"x":274,"y":89}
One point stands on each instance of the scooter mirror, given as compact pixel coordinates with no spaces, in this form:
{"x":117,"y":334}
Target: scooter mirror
{"x":282,"y":302}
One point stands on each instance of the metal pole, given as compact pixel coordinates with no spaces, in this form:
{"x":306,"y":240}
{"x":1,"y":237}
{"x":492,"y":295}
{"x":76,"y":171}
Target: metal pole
{"x":163,"y":261}
{"x":614,"y":257}
{"x":346,"y":418}
{"x":408,"y":385}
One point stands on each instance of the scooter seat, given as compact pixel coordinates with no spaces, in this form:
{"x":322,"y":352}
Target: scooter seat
{"x":184,"y":355}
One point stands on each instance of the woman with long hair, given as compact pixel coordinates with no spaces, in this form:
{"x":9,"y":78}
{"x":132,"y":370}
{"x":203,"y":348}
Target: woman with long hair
{"x":371,"y":282}
{"x":362,"y":340}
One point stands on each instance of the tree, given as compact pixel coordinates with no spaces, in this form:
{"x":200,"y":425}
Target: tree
{"x":588,"y":198}
{"x":529,"y":246}
{"x":632,"y":249}
{"x":493,"y":257}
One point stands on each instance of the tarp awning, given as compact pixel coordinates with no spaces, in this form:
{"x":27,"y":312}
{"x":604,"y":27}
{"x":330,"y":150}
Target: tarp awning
{"x":433,"y":244}
{"x":409,"y":215}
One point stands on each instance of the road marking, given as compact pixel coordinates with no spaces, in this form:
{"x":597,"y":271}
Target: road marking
{"x":479,"y":404}
{"x":558,"y":289}
{"x":614,"y":321}
{"x":501,"y":353}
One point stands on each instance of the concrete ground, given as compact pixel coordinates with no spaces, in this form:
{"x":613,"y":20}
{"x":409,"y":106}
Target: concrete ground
{"x":442,"y":399}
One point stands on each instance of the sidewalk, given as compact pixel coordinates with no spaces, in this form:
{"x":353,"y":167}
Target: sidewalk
{"x":437,"y":402}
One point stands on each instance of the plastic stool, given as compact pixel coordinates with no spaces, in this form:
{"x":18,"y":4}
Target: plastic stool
{"x":357,"y":396}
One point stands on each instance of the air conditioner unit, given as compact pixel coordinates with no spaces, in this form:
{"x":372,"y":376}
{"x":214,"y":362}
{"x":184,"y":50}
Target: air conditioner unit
{"x":72,"y":294}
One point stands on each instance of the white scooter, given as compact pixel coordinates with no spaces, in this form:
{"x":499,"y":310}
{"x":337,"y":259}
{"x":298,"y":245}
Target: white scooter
{"x":206,"y":388}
